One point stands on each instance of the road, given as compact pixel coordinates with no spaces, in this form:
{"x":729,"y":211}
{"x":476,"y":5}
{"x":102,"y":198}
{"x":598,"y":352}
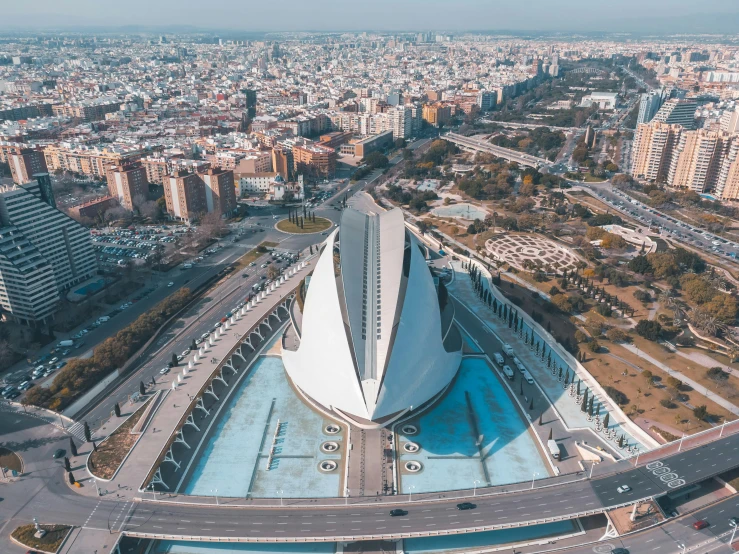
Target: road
{"x":671,"y":228}
{"x":360,"y":519}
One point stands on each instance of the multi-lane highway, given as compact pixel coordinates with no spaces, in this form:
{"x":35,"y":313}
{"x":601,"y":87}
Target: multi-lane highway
{"x":370,"y":519}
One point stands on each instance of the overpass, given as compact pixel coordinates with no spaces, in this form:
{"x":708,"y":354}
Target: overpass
{"x":352,"y":519}
{"x":472,"y":144}
{"x":514,"y":125}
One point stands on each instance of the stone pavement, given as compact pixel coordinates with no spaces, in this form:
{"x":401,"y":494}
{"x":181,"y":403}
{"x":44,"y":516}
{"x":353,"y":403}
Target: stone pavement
{"x":177,"y":404}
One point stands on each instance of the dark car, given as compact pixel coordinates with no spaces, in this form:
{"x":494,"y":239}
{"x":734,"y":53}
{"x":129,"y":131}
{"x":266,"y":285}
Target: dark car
{"x":398,"y":512}
{"x":59,"y":453}
{"x":734,"y":521}
{"x":466,"y":506}
{"x":619,"y":551}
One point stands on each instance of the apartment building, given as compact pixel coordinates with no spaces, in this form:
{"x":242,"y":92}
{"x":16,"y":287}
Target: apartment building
{"x":86,"y":160}
{"x":727,"y":187}
{"x":26,"y":163}
{"x":437,"y":114}
{"x":696,"y":160}
{"x":653,"y":145}
{"x":316,"y":158}
{"x":158,"y":168}
{"x":220,"y":194}
{"x":127,"y":182}
{"x":677,"y":111}
{"x":184,"y":194}
{"x":189,"y":196}
{"x":88,"y":111}
{"x":43,"y":252}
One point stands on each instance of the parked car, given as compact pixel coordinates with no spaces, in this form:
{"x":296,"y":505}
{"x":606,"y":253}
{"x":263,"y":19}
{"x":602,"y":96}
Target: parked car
{"x":59,"y":453}
{"x":164,"y":371}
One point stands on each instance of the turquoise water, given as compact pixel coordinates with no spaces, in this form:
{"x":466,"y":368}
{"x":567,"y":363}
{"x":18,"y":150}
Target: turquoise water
{"x":234,"y":460}
{"x":450,"y":456}
{"x":186,"y":547}
{"x":463,"y":211}
{"x":470,"y":344}
{"x":488,"y":538}
{"x":90,"y":288}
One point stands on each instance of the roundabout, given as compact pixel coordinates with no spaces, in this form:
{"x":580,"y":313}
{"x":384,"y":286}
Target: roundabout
{"x":309,"y":226}
{"x":529,"y":252}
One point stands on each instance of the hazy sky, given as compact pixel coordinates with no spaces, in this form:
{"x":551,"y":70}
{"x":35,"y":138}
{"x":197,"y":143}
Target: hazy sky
{"x":264,"y":15}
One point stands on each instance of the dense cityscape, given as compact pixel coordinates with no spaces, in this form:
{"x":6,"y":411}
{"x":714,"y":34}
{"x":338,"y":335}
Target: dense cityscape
{"x":197,"y":229}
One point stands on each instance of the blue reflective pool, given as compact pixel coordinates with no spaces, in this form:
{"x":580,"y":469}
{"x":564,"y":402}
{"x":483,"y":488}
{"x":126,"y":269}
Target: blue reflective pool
{"x":463,"y":211}
{"x":450,"y":454}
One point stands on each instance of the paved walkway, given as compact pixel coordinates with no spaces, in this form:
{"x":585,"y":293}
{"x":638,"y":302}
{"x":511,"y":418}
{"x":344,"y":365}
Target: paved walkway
{"x":177,"y":404}
{"x":733,"y":408}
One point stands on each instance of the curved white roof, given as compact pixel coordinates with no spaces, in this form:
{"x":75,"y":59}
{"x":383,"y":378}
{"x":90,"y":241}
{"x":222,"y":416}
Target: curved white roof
{"x":371,"y":343}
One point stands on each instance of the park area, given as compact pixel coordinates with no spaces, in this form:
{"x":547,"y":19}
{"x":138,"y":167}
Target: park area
{"x":55,"y":535}
{"x":309,"y":225}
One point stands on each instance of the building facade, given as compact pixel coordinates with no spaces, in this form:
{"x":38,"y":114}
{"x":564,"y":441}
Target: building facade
{"x":127,"y":182}
{"x":25,"y":164}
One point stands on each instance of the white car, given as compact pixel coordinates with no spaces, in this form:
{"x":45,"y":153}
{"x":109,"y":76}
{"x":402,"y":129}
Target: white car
{"x":164,"y":371}
{"x":170,"y":284}
{"x":623,"y":488}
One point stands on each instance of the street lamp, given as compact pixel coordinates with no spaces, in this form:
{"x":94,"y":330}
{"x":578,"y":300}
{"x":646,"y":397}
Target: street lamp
{"x":215,"y":493}
{"x":733,"y":531}
{"x":280,"y":493}
{"x":681,"y":546}
{"x":474,"y":489}
{"x":533,"y":478}
{"x":410,"y":493}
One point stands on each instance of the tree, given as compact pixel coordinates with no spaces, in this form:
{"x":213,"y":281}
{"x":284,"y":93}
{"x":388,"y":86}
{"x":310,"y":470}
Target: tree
{"x":700,"y":412}
{"x":142,"y":388}
{"x":272,"y":272}
{"x":650,"y":330}
{"x":67,"y":465}
{"x":86,"y":428}
{"x":173,"y":361}
{"x":72,"y":447}
{"x":717,"y":375}
{"x":70,"y":478}
{"x":640,"y":264}
{"x":117,"y":409}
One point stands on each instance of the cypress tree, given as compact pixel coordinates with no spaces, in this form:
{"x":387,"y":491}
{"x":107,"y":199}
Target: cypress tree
{"x":117,"y":410}
{"x":584,"y":405}
{"x":142,"y":387}
{"x":605,"y":420}
{"x":67,"y":465}
{"x":550,"y":434}
{"x":88,"y":436}
{"x":70,"y":477}
{"x":72,"y":447}
{"x":531,"y":404}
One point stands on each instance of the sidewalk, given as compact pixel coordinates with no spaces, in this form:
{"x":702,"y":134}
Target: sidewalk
{"x":178,"y":403}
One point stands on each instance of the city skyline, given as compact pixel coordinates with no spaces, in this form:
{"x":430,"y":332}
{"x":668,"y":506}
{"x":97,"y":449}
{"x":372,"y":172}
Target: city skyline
{"x":571,"y":16}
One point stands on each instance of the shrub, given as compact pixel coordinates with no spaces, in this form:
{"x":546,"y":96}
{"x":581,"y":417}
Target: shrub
{"x":617,"y":396}
{"x":593,"y":346}
{"x":642,"y":296}
{"x":617,"y":335}
{"x":717,"y":374}
{"x":604,"y":310}
{"x":673,"y":382}
{"x":581,"y":337}
{"x":667,"y":403}
{"x":553,"y":291}
{"x":650,"y":330}
{"x":669,"y":437}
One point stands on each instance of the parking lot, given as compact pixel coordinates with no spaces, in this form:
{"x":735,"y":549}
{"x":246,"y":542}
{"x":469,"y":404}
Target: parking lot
{"x":667,"y":225}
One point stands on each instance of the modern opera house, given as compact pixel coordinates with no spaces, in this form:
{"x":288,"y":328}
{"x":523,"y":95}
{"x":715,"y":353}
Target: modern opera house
{"x":371,"y":342}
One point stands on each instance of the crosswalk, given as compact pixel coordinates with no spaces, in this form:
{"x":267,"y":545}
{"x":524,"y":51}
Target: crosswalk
{"x":77,"y":430}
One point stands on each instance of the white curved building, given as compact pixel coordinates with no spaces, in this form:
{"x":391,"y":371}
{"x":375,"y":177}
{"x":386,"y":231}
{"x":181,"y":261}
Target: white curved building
{"x":372,"y":343}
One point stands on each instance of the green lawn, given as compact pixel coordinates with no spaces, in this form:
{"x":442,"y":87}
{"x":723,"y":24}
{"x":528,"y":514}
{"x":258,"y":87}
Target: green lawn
{"x":253,"y":255}
{"x":321,"y":224}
